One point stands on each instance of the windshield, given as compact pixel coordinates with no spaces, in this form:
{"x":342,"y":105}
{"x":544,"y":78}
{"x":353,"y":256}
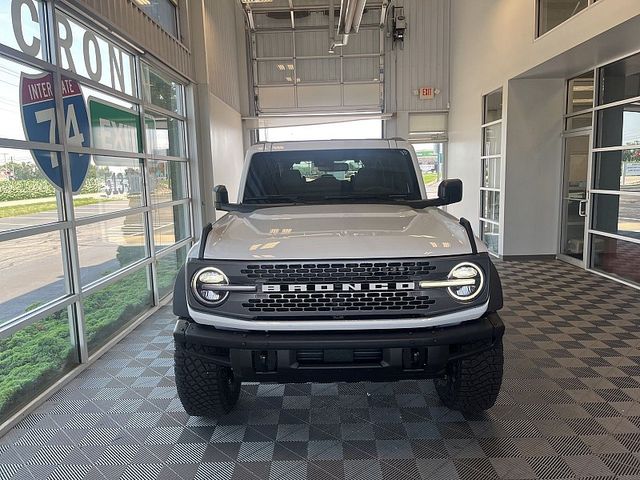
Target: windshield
{"x":331,"y":175}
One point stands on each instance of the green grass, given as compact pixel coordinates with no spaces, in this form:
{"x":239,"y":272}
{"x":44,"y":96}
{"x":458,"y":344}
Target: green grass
{"x":49,"y":206}
{"x":430,"y":177}
{"x":36,"y":356}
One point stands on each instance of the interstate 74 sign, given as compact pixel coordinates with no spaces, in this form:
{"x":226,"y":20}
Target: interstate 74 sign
{"x":39,"y":122}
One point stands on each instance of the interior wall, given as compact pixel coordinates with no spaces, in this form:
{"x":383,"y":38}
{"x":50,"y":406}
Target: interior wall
{"x":219,"y":53}
{"x":226,"y":145}
{"x":533,"y":167}
{"x":423,"y":61}
{"x":492,"y":42}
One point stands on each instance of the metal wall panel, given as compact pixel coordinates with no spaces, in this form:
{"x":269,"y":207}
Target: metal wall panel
{"x":424,"y":61}
{"x":125,"y":17}
{"x":223,"y":55}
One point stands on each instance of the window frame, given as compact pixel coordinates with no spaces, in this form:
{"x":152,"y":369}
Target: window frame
{"x":66,"y":227}
{"x":538,"y":18}
{"x":483,"y":158}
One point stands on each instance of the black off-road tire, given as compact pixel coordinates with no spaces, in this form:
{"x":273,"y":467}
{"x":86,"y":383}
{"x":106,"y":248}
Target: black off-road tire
{"x":472,"y":384}
{"x":205,"y":389}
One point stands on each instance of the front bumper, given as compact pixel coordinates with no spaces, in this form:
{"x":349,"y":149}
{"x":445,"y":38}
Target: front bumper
{"x":341,"y":356}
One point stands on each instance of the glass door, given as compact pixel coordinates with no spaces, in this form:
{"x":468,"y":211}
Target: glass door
{"x":574,"y":197}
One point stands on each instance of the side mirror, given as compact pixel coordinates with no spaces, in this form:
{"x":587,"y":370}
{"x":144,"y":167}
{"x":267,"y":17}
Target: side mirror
{"x":450,"y":191}
{"x":221,"y":196}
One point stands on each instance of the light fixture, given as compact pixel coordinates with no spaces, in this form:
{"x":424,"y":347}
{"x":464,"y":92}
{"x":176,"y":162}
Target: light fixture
{"x":208,"y":286}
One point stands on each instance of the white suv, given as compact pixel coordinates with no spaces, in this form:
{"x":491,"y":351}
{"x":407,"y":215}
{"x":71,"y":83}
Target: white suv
{"x":335,"y":266}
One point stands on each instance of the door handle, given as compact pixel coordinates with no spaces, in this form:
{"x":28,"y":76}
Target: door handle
{"x":582,"y":209}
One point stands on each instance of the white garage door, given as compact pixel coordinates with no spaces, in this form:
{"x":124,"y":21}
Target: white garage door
{"x":293,"y":70}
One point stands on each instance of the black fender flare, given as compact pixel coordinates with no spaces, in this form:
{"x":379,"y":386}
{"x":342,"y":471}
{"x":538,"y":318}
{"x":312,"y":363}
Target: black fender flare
{"x":496,"y":301}
{"x":180,"y":295}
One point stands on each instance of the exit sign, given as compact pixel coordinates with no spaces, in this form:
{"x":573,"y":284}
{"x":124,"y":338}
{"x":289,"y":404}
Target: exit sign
{"x":427,"y":93}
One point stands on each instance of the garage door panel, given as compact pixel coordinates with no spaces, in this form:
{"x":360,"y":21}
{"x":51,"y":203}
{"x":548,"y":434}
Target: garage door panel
{"x":365,"y":41}
{"x":274,"y":44}
{"x":277,"y":98}
{"x":319,"y":96}
{"x":361,"y":95}
{"x":312,"y":43}
{"x":318,"y":70}
{"x":275,"y":72}
{"x":362,"y":69}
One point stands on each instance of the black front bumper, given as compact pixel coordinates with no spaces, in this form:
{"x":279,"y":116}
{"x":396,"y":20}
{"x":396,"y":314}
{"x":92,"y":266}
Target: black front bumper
{"x":378,"y":355}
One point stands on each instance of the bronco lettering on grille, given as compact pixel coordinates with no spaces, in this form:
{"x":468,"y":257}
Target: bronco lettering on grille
{"x":340,"y":287}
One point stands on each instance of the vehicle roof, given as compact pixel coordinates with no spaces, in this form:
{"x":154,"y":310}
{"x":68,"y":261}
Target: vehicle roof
{"x":385,"y":143}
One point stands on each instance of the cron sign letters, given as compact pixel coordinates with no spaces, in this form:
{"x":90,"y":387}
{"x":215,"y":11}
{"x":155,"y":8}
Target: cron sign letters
{"x":81,"y":50}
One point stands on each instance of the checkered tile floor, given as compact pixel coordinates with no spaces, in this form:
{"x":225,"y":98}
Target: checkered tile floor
{"x":569,"y":407}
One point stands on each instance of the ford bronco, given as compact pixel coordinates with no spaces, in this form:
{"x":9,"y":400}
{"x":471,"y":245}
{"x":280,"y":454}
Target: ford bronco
{"x":335,"y":266}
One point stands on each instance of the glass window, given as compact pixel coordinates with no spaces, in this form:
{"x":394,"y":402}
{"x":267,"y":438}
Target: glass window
{"x":170,"y":225}
{"x":619,"y":126}
{"x":27,"y":196}
{"x":110,"y":309}
{"x":620,"y":80}
{"x":27,"y":105}
{"x":492,"y":140}
{"x":26,"y":20}
{"x":168,"y":267}
{"x":490,"y":207}
{"x":492,"y":107}
{"x":108,"y":246}
{"x":348,"y":174}
{"x":25,"y":283}
{"x":345,"y":130}
{"x":111,"y":184}
{"x":618,"y":170}
{"x":490,"y":233}
{"x":431,"y":162}
{"x":491,"y":172}
{"x":580,"y":93}
{"x":160,"y":91}
{"x":32,"y":359}
{"x":167,"y":181}
{"x":579,"y":121}
{"x":165,"y":12}
{"x":617,"y":214}
{"x":92,"y":56}
{"x":552,"y":13}
{"x":616,"y":257}
{"x":165,"y":135}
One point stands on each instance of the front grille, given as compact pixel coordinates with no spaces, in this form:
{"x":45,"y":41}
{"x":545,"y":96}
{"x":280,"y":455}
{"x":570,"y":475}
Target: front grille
{"x":337,"y":272}
{"x":338,"y":302}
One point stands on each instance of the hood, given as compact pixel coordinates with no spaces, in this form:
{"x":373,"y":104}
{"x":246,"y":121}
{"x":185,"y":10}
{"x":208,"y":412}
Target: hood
{"x":336,"y":232}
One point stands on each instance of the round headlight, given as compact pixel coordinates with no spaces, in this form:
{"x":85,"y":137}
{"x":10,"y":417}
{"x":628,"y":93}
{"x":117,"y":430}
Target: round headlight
{"x":467,"y":281}
{"x":204,"y":283}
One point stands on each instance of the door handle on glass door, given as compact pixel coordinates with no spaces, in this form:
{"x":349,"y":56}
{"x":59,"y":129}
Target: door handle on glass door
{"x":582,"y":211}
